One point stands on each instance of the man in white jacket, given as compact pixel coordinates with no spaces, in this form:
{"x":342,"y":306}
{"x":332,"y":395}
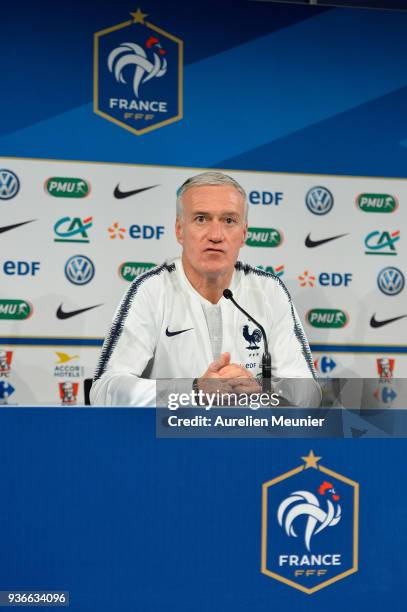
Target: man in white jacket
{"x":174,"y":323}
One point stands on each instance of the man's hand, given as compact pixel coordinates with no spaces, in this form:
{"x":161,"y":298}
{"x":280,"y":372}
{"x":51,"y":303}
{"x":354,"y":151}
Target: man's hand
{"x":246,"y":384}
{"x":227,"y":377}
{"x":216,"y":366}
{"x":222,"y":368}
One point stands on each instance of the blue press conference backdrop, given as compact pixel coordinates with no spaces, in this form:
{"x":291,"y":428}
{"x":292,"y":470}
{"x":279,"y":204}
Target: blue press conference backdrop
{"x":266,"y":87}
{"x":92,"y":502}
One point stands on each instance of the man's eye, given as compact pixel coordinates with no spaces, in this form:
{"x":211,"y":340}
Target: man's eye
{"x":200,"y":219}
{"x":230,"y":220}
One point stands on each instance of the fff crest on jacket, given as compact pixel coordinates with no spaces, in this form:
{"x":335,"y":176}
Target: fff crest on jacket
{"x":138,"y":74}
{"x":310,"y":526}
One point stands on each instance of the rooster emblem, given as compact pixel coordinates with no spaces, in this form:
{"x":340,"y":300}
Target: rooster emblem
{"x":253,"y":339}
{"x":307,"y":504}
{"x":128,"y":54}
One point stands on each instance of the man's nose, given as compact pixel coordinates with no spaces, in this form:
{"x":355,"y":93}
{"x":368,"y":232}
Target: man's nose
{"x":215,"y":231}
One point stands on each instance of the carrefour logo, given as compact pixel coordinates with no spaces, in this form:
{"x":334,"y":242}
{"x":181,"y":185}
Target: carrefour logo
{"x":381,"y":243}
{"x":263,"y":237}
{"x":327,"y":318}
{"x":377,"y":202}
{"x":64,"y":187}
{"x":129,"y":270}
{"x":324,"y":364}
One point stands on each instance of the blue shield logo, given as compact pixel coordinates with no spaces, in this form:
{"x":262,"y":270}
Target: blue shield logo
{"x":138,"y":75}
{"x":319,"y":200}
{"x":310,"y":526}
{"x":9,"y":184}
{"x":390,"y":281}
{"x":79,"y":269}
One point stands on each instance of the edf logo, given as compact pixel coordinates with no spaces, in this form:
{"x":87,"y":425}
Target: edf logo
{"x":334,"y":279}
{"x":266,"y":197}
{"x":325,"y":279}
{"x":21,"y":268}
{"x":146,"y":231}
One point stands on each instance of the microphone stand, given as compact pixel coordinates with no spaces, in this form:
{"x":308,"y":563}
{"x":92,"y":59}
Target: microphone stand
{"x":266,"y":358}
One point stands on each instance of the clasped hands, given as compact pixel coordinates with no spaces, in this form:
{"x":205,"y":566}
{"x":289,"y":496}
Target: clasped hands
{"x":227,"y":377}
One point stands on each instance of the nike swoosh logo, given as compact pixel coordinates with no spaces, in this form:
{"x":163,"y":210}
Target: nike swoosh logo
{"x":61,"y":314}
{"x":169,"y":334}
{"x":314,"y":243}
{"x":375,"y":323}
{"x":7,"y":228}
{"x":126,"y":194}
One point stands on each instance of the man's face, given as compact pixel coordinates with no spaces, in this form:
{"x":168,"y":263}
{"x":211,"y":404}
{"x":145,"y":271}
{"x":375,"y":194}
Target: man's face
{"x":212,"y":228}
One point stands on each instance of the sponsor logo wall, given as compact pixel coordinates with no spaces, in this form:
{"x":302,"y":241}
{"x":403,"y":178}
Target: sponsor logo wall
{"x":74,"y":235}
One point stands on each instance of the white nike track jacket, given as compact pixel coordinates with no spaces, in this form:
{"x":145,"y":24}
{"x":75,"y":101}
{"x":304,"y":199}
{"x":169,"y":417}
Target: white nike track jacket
{"x":160,"y":332}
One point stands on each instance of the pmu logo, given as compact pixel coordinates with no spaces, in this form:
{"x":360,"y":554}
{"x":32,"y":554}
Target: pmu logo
{"x":390,"y":281}
{"x":5,"y":362}
{"x":385,"y":367}
{"x":324,"y":364}
{"x":277,"y":271}
{"x":15,"y":309}
{"x":129,"y":270}
{"x":327,"y":318}
{"x":377,"y":202}
{"x":138,"y":75}
{"x":310,"y":526}
{"x":9,"y":184}
{"x":64,"y":187}
{"x":72,"y":229}
{"x":381,"y":243}
{"x":137,"y":232}
{"x":79,"y":269}
{"x":68,"y":392}
{"x":264,"y":237}
{"x":319,"y":200}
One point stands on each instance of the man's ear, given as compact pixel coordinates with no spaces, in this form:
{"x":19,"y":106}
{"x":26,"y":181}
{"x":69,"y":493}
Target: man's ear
{"x":244,"y":234}
{"x":178,"y":230}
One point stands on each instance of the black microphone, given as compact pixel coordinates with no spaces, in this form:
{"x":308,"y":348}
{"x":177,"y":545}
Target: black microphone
{"x":266,"y":359}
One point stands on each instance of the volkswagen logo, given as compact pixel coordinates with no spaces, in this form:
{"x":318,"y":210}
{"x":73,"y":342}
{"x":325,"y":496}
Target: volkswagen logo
{"x":9,"y":184}
{"x":79,"y":269}
{"x":319,"y":200}
{"x":390,"y":281}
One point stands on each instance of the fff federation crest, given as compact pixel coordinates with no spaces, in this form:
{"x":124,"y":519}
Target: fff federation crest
{"x":310,"y":526}
{"x":138,"y":75}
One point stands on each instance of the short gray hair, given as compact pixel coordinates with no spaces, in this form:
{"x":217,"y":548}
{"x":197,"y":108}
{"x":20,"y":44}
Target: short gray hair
{"x":210,"y":178}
